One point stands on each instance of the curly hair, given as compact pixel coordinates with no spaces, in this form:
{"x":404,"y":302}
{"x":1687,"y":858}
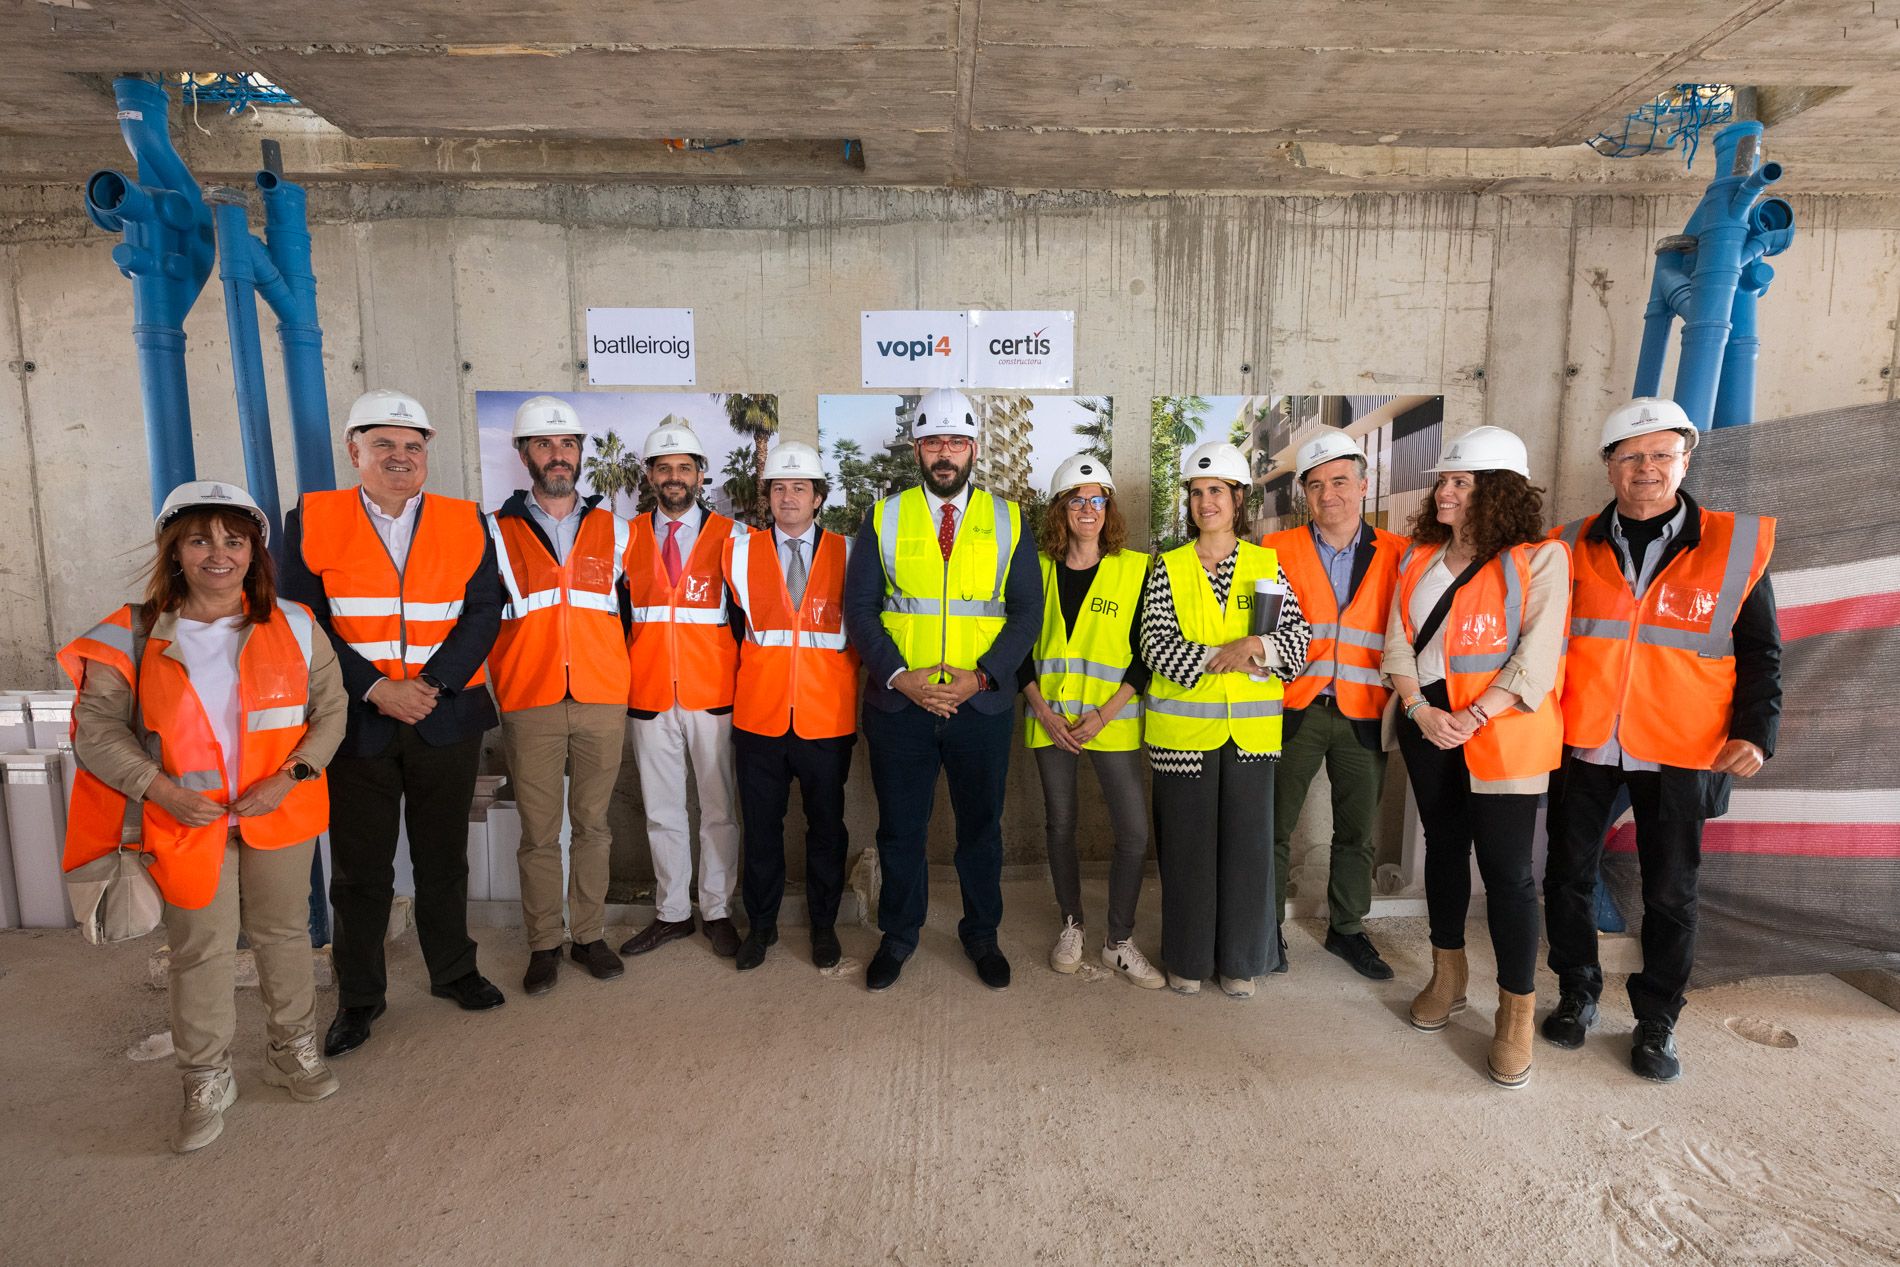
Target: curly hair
{"x":1054,"y":536}
{"x":1505,"y":510}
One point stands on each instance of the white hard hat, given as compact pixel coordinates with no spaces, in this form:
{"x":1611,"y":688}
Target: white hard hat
{"x":1216,"y":459}
{"x":1643,"y":416}
{"x":944,"y":413}
{"x":546,"y":416}
{"x":793,"y":460}
{"x":382,"y":407}
{"x":1484,"y":449}
{"x":211,"y":495}
{"x":1083,"y":468}
{"x":673,"y":435}
{"x":1327,"y":446}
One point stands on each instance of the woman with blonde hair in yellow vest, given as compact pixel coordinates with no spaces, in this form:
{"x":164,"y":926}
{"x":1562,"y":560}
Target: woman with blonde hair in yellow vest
{"x":1083,"y":684}
{"x":1474,"y":652}
{"x":1212,"y":726}
{"x":205,"y":717}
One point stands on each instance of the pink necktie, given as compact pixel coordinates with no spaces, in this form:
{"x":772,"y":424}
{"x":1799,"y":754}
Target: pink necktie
{"x":670,"y":553}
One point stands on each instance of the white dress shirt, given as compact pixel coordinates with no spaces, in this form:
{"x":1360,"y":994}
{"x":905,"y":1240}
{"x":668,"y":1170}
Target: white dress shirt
{"x":689,"y":529}
{"x":397,"y":531}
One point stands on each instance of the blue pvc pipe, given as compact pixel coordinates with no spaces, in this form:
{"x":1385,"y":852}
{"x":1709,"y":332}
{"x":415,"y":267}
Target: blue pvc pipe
{"x":236,"y":249}
{"x":287,"y":232}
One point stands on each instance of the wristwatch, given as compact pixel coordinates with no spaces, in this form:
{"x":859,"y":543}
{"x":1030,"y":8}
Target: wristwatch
{"x":302,"y":771}
{"x":433,"y":682}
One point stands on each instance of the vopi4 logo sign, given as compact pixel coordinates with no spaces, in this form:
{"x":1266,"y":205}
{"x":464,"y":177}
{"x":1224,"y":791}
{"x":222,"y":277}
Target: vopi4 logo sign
{"x":913,"y":349}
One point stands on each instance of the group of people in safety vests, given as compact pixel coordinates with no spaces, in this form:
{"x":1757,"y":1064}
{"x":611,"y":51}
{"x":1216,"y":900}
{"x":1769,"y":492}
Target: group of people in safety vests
{"x":238,"y":710}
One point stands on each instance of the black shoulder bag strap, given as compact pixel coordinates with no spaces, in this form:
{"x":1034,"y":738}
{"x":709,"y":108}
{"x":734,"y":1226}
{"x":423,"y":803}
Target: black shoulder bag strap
{"x":1443,"y":607}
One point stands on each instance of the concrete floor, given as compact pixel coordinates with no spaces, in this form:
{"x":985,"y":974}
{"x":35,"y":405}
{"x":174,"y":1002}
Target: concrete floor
{"x":685,"y":1113}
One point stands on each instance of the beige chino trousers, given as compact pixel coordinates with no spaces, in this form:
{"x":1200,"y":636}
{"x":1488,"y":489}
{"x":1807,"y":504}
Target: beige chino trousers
{"x":584,"y":743}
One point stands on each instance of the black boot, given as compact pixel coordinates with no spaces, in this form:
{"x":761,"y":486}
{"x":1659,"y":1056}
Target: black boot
{"x":1566,"y":1025}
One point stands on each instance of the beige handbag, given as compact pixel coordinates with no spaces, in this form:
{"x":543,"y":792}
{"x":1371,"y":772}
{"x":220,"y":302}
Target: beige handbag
{"x":114,"y":898}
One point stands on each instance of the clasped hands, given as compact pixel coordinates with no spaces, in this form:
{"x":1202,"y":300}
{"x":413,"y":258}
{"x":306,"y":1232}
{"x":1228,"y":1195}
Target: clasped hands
{"x":404,"y":699}
{"x":194,"y":809}
{"x":923,"y":688}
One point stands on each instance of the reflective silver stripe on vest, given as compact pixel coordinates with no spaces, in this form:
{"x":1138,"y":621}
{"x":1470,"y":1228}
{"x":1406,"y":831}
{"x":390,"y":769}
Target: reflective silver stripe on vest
{"x":622,"y":532}
{"x":274,"y":718}
{"x":417,"y":654}
{"x":118,"y":637}
{"x":788,"y":638}
{"x":1591,"y":627}
{"x":1187,"y":708}
{"x":905,"y":604}
{"x":1348,"y":636}
{"x":1327,"y":671}
{"x":302,"y":628}
{"x":391,"y":606}
{"x":1075,"y":708}
{"x":432,"y":611}
{"x":1709,"y":644}
{"x":515,"y":608}
{"x":376,"y":650}
{"x":1728,"y":604}
{"x":1492,"y":661}
{"x":741,"y":578}
{"x":681,"y":615}
{"x":1572,"y":533}
{"x":1405,"y":560}
{"x":887,"y":537}
{"x":200,"y":780}
{"x":520,"y":606}
{"x":588,"y":600}
{"x":1086,"y":668}
{"x":1005,"y":543}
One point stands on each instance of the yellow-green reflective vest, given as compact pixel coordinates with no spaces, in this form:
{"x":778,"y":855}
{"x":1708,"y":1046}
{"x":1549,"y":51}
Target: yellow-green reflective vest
{"x":937,"y":612}
{"x":1079,"y":671}
{"x":1221,"y":706}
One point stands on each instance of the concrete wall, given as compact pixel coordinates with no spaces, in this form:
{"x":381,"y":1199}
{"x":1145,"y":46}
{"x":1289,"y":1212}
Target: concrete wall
{"x":1524,"y":312}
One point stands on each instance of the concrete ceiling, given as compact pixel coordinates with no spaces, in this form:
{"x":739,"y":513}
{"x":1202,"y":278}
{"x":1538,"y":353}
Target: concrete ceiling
{"x":1295,"y":96}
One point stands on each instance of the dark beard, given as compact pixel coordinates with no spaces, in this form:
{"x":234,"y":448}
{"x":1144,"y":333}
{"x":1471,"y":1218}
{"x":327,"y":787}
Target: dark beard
{"x":955,"y":485}
{"x":685,"y":501}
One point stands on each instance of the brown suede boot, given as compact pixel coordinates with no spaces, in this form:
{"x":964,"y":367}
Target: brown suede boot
{"x":1510,"y":1058}
{"x":1445,"y":995}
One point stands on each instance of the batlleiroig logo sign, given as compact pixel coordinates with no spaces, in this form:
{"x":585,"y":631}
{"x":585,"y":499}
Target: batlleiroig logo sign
{"x":641,"y":347}
{"x":1022,"y":349}
{"x":914,"y":349}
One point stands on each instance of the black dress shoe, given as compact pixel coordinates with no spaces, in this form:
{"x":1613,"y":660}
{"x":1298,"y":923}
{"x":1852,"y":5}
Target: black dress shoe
{"x":350,"y":1029}
{"x":886,"y":964}
{"x":1280,"y":968}
{"x":657,"y":934}
{"x":472,"y":993}
{"x":543,"y":967}
{"x":752,"y":949}
{"x":1653,"y":1053}
{"x":1569,"y":1021}
{"x":724,"y":936}
{"x":1357,"y":949}
{"x":992,"y":969}
{"x":598,"y":958}
{"x":825,"y":950}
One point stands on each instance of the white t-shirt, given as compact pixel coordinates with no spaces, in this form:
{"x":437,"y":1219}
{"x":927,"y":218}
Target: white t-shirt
{"x":1431,"y":587}
{"x":210,"y":651}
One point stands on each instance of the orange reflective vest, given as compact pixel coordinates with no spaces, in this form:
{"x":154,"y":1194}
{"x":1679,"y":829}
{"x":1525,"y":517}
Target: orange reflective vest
{"x":1659,"y":674}
{"x":273,"y":695}
{"x":1481,"y":633}
{"x":795,"y":670}
{"x":1347,"y":646}
{"x":682,"y":649}
{"x":560,"y":624}
{"x":394,"y":619}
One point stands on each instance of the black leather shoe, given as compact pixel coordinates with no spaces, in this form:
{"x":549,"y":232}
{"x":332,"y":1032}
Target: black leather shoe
{"x":1653,"y":1053}
{"x":752,"y":949}
{"x":1569,"y":1021}
{"x":472,"y":993}
{"x":1280,"y":969}
{"x":657,"y":934}
{"x":724,"y":936}
{"x":350,"y":1029}
{"x":825,"y":950}
{"x":886,"y":964}
{"x":543,"y":967}
{"x":992,"y":969}
{"x":1357,"y":949}
{"x":598,"y":958}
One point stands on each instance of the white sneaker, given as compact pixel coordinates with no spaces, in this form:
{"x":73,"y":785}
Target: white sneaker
{"x":1237,"y":987}
{"x":1181,"y":985}
{"x":300,"y":1070}
{"x":207,"y":1095}
{"x":1067,"y":956}
{"x":1126,"y":959}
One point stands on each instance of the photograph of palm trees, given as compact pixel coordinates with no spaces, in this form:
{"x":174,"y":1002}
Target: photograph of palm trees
{"x":865,"y":440}
{"x":736,"y":429}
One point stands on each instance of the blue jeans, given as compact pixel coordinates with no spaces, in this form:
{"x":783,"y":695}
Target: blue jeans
{"x":907,"y":749}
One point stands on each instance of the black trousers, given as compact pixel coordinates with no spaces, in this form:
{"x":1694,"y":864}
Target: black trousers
{"x":1499,"y":826}
{"x":1214,"y":847}
{"x":431,"y":788}
{"x":765,"y":766}
{"x":1668,"y":851}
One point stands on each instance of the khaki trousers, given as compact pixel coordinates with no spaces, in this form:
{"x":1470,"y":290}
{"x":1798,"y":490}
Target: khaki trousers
{"x":584,"y":742}
{"x":266,"y":893}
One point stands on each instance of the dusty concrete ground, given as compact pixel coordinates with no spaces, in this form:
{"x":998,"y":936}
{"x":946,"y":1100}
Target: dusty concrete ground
{"x":686,"y":1113}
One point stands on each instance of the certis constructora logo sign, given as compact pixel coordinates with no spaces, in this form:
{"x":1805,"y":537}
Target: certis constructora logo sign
{"x":1028,"y":349}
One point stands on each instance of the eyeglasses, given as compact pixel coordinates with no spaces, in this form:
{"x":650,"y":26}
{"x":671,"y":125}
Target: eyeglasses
{"x":1630,"y":461}
{"x":1098,"y":502}
{"x":945,"y":444}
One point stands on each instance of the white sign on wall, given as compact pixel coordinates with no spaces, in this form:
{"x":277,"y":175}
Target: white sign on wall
{"x":641,"y":347}
{"x":914,"y":349}
{"x":1022,"y":349}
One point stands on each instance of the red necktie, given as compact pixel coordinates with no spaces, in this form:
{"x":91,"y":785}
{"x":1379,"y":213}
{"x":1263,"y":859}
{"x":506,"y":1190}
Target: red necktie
{"x":947,"y":534}
{"x":670,"y":553}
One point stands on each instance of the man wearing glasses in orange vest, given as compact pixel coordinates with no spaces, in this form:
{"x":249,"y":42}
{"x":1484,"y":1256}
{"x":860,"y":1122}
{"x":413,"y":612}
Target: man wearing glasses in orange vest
{"x":404,"y":583}
{"x":685,"y":665}
{"x":561,"y":677}
{"x":796,"y":712}
{"x":1672,"y":689}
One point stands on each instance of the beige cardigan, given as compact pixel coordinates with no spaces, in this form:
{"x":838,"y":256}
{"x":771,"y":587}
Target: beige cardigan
{"x":1531,"y":671}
